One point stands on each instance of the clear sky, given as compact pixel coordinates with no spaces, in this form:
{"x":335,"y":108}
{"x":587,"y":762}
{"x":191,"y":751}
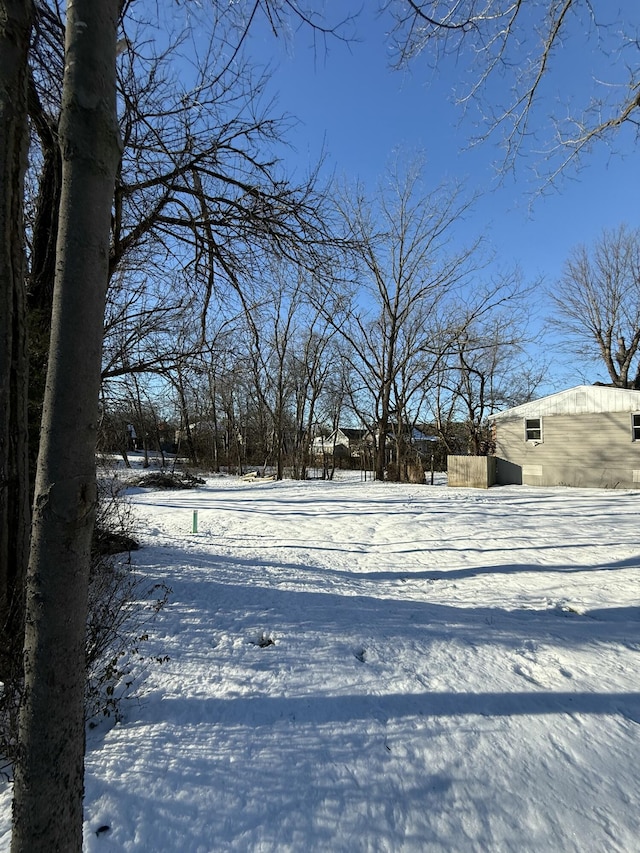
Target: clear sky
{"x":348,"y":99}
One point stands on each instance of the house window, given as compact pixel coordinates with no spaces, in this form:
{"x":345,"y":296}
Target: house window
{"x":635,"y":427}
{"x":533,"y":429}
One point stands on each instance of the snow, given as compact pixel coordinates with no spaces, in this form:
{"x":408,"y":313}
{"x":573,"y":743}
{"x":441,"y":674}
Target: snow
{"x":365,"y":666}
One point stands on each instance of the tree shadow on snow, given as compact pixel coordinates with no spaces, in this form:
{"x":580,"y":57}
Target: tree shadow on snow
{"x":261,"y":710}
{"x":204,"y":583}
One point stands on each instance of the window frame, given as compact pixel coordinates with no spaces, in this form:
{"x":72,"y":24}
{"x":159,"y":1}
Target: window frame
{"x":529,"y":429}
{"x":635,"y":426}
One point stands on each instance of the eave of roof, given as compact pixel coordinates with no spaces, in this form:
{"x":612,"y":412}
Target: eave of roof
{"x":583,"y":399}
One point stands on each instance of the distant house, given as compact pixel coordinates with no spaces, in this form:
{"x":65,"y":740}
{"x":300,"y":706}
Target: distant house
{"x":342,"y":443}
{"x":588,"y":436}
{"x":423,"y":440}
{"x":355,"y":442}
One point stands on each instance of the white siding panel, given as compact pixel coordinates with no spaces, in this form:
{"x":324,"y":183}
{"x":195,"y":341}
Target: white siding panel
{"x":584,"y":399}
{"x":532,"y":470}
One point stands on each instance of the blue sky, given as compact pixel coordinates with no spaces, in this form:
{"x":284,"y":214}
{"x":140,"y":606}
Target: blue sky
{"x":349,"y":100}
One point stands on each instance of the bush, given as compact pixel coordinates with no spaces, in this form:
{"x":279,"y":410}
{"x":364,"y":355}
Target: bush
{"x":166,"y":480}
{"x":122,"y":604}
{"x":9,"y":701}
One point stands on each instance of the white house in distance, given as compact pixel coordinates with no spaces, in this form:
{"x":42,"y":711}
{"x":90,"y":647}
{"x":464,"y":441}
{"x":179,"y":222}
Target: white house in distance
{"x":588,"y":436}
{"x":342,"y":442}
{"x":345,"y":443}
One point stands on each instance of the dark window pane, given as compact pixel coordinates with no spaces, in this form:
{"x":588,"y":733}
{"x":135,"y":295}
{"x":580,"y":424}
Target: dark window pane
{"x":533,"y":429}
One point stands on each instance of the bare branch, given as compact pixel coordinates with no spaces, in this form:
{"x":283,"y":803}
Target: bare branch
{"x":511,"y":53}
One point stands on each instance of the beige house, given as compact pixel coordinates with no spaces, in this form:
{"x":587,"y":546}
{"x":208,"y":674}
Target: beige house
{"x":588,"y":436}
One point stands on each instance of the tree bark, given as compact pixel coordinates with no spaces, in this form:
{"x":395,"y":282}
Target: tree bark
{"x":49,"y":775}
{"x":15,"y":23}
{"x":42,"y":267}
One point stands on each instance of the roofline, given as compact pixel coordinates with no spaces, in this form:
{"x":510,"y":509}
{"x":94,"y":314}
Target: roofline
{"x":516,"y":410}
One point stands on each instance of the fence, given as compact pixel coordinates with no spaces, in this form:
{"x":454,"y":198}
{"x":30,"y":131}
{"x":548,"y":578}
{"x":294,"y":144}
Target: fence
{"x":475,"y":472}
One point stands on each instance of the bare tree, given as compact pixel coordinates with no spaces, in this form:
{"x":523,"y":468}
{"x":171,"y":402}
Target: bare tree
{"x":49,"y":777}
{"x":408,"y":265}
{"x":142,"y":321}
{"x":272,"y":323}
{"x":201,"y":197}
{"x":42,"y":202}
{"x":312,"y":364}
{"x":598,"y":304}
{"x":512,"y":52}
{"x":488,"y":368}
{"x":235,"y":402}
{"x":15,"y":22}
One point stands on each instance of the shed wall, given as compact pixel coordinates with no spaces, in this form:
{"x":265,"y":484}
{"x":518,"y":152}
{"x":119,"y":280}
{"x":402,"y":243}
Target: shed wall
{"x":475,"y":472}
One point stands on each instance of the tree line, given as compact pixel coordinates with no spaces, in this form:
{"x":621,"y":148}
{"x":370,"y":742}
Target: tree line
{"x":409,"y":327}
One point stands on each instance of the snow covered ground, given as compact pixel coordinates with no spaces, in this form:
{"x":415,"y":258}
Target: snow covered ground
{"x":359,"y":666}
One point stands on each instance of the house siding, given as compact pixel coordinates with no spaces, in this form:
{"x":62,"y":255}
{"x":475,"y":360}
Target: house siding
{"x":585,"y":450}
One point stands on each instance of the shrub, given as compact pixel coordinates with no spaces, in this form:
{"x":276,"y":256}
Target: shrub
{"x":122,"y":605}
{"x":166,"y":480}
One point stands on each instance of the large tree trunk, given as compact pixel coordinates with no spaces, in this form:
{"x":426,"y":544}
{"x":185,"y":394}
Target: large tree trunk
{"x":43,"y":267}
{"x":14,"y":496}
{"x":380,"y":447}
{"x":50,"y":769}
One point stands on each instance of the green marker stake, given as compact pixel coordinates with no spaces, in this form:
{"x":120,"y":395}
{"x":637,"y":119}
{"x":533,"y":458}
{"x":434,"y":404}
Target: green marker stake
{"x":195,"y":521}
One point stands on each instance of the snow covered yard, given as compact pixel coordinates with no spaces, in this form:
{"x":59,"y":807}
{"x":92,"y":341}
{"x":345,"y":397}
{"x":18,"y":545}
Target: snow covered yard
{"x":378,"y":667}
